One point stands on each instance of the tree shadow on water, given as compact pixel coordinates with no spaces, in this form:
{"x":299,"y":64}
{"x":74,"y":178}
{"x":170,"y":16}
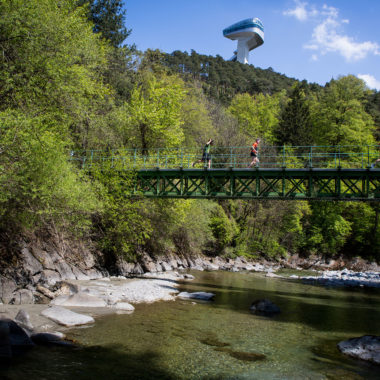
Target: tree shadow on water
{"x":86,"y":363}
{"x":324,"y":312}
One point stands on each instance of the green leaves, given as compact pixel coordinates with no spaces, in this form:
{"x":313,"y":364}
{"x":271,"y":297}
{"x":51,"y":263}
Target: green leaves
{"x":39,"y":184}
{"x":257,"y":115}
{"x":154,"y":113}
{"x":339,"y":116}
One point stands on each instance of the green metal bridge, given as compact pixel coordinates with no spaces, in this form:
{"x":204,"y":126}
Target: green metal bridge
{"x":286,"y":172}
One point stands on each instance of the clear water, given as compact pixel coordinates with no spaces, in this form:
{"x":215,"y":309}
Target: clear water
{"x":220,"y":339}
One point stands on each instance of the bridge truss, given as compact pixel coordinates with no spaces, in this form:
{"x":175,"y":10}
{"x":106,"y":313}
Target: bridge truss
{"x":260,"y":183}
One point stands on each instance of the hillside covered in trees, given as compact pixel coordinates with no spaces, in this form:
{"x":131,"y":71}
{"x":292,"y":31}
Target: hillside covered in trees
{"x":68,"y":83}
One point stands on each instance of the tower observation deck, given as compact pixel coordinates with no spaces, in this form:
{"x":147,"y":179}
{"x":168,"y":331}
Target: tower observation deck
{"x":249,"y":33}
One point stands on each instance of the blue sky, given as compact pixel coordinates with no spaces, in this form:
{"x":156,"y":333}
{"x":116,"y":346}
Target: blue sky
{"x":313,"y":40}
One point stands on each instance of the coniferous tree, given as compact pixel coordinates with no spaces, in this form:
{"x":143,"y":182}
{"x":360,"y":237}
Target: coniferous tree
{"x":108,"y":17}
{"x":295,"y":122}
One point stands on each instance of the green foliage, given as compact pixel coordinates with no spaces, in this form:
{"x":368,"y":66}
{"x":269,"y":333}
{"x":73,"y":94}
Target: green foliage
{"x":329,"y":230}
{"x":108,"y":17}
{"x":339,"y":116}
{"x":197,"y":121}
{"x":39,"y":184}
{"x":270,"y":228}
{"x":121,"y":227}
{"x":154,"y":113}
{"x":224,"y":229}
{"x":295,"y":126}
{"x":222,"y":80}
{"x":257,"y":115}
{"x":373,"y":108}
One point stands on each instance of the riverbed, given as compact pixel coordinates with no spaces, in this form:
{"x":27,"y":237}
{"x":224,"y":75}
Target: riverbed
{"x":221,"y":339}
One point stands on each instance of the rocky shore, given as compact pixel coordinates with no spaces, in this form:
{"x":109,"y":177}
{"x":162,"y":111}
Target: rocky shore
{"x":40,"y":267}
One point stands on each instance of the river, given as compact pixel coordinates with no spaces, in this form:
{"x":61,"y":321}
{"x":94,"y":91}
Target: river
{"x":220,"y":339}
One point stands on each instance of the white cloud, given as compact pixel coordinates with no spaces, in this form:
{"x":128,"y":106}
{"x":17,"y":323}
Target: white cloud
{"x":300,"y":12}
{"x":370,"y":81}
{"x":326,"y":39}
{"x":328,"y":35}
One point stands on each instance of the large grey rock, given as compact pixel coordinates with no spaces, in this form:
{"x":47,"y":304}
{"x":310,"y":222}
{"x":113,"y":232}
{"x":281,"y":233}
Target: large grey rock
{"x":159,"y":267}
{"x":190,"y":262}
{"x":65,"y":270}
{"x":22,"y":297}
{"x":80,"y":299}
{"x":149,"y":267}
{"x":138,"y":269}
{"x":50,"y":277}
{"x":166,"y":266}
{"x":94,"y":274}
{"x":264,"y":307}
{"x":79,"y":274}
{"x":366,"y":348}
{"x":7,"y":287}
{"x":14,"y":336}
{"x":66,"y":288}
{"x":66,"y":317}
{"x":30,"y":263}
{"x":23,"y":320}
{"x":124,"y":306}
{"x":124,"y":267}
{"x":197,"y":295}
{"x":43,"y":257}
{"x":211,"y":267}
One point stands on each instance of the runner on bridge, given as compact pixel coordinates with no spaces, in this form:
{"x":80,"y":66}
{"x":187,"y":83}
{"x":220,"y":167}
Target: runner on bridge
{"x":255,"y":153}
{"x":206,"y":154}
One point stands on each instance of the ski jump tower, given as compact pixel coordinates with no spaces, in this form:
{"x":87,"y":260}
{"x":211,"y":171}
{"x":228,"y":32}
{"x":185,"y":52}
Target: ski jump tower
{"x":249,"y":33}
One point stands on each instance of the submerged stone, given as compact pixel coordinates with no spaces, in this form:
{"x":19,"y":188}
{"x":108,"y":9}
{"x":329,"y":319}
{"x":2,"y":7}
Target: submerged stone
{"x":241,"y":355}
{"x":214,"y":342}
{"x":264,"y":307}
{"x":66,"y":317}
{"x":80,"y":299}
{"x":197,"y":295}
{"x":366,"y":348}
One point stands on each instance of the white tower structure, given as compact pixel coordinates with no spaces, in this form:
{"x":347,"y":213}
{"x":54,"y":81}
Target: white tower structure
{"x":249,"y":33}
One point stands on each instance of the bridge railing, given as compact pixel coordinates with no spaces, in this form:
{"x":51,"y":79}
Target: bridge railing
{"x":231,"y":157}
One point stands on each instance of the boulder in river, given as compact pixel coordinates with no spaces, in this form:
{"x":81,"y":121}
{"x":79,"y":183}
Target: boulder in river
{"x":80,"y":299}
{"x":366,"y":348}
{"x":50,"y":339}
{"x":13,"y":339}
{"x":264,"y":307}
{"x":66,"y":317}
{"x":197,"y":295}
{"x":23,"y":319}
{"x":123,"y":306}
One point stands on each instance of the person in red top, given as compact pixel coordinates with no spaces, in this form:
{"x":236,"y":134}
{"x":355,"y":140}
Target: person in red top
{"x":254,"y":153}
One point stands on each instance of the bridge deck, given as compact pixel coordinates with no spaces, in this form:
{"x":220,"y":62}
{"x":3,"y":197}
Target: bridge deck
{"x":260,"y":183}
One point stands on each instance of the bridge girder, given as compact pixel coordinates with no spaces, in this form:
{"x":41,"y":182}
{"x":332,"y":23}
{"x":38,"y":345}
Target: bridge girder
{"x":258,"y":183}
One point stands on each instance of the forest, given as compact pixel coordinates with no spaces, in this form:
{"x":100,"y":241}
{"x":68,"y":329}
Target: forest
{"x":71,"y":79}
